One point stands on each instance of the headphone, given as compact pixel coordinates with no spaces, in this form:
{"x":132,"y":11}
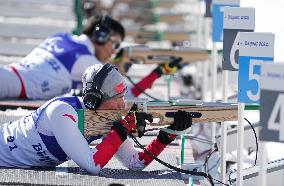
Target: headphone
{"x":92,"y":95}
{"x":102,"y":32}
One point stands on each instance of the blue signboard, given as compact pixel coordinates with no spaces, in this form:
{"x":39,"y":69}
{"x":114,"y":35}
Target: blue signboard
{"x":255,"y":48}
{"x":249,"y":73}
{"x":217,"y":9}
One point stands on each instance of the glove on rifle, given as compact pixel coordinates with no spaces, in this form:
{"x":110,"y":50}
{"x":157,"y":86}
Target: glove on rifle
{"x":182,"y":121}
{"x":133,"y":122}
{"x":169,"y":68}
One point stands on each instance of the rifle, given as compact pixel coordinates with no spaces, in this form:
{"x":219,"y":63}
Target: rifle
{"x":144,"y":36}
{"x":100,"y":122}
{"x":146,"y":55}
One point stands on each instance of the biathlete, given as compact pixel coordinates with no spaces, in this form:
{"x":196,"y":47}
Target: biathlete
{"x":50,"y":135}
{"x":56,"y":66}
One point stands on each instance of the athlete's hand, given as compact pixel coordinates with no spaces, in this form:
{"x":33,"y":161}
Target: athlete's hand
{"x":182,"y":121}
{"x":133,"y":122}
{"x":168,"y":68}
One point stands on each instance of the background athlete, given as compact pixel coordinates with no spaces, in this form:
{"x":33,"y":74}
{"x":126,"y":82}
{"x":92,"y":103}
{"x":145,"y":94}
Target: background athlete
{"x":56,"y":66}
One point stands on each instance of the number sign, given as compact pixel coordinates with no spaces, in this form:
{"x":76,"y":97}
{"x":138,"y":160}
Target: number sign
{"x":235,"y":20}
{"x":254,"y":48}
{"x":217,"y":9}
{"x":272,"y":102}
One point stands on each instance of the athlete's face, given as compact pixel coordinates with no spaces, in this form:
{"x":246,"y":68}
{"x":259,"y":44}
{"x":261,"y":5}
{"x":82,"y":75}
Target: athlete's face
{"x":114,"y":103}
{"x":105,"y":51}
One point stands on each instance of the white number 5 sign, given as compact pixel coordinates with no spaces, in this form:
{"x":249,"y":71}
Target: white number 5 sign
{"x":254,"y":95}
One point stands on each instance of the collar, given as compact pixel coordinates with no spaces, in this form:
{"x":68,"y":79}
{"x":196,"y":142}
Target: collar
{"x":82,"y":102}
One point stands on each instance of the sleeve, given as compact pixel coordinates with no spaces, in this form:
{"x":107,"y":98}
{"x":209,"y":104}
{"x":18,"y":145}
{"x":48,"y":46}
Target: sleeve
{"x":145,"y":83}
{"x":136,"y":159}
{"x":127,"y":154}
{"x":63,"y":123}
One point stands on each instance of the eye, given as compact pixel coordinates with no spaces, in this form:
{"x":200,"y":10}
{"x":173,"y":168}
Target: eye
{"x":115,"y":45}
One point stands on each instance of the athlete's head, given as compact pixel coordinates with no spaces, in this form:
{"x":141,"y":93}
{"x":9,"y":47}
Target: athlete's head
{"x":104,"y":87}
{"x":106,"y":35}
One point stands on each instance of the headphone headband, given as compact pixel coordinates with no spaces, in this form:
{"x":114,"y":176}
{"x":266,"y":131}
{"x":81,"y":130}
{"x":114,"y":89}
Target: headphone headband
{"x":99,"y":78}
{"x":92,"y":95}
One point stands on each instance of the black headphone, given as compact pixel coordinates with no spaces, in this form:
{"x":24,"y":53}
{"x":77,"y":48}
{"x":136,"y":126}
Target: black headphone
{"x":92,"y":95}
{"x":102,"y":32}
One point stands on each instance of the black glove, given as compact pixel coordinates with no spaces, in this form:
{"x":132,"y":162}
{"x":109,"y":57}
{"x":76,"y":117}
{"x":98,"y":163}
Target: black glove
{"x":168,"y":68}
{"x":133,"y":122}
{"x":182,"y":121}
{"x":165,"y":138}
{"x":141,"y":118}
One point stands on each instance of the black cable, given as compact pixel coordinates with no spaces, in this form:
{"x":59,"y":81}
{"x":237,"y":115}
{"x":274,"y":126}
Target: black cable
{"x":230,"y":176}
{"x":214,"y":165}
{"x":141,"y":91}
{"x":207,"y":158}
{"x":256,"y":143}
{"x":195,"y":173}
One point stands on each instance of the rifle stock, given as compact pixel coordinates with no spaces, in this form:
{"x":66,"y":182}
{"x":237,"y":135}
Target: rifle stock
{"x":101,"y":121}
{"x":157,"y":56}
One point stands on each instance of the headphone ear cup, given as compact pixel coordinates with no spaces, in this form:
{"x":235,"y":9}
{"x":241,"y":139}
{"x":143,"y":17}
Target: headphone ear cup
{"x":92,"y":98}
{"x":101,"y":35}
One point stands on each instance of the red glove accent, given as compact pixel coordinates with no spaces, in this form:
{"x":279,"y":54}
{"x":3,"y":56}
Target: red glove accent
{"x":145,"y":83}
{"x":129,"y":122}
{"x":107,"y":148}
{"x":155,"y":148}
{"x":166,"y":69}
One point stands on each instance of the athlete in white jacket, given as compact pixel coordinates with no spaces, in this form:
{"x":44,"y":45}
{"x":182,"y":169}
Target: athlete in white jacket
{"x":50,"y":135}
{"x":56,"y":66}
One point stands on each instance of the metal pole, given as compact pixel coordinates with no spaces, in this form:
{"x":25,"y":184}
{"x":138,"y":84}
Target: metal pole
{"x":240,"y":144}
{"x":205,"y":64}
{"x":214,"y":86}
{"x":225,"y":74}
{"x":263,"y":164}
